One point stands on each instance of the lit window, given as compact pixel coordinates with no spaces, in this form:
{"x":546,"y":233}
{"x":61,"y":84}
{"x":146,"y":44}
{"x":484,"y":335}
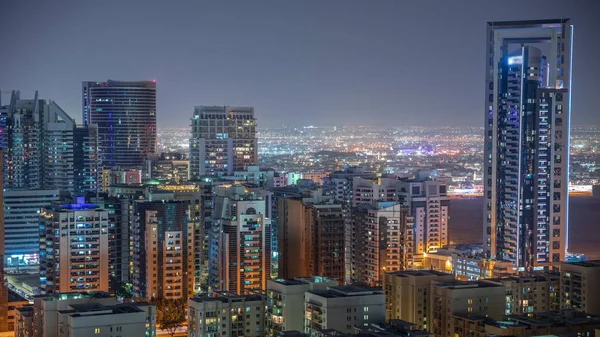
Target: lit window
{"x":97,"y":331}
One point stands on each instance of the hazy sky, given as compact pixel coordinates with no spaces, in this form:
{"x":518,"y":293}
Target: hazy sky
{"x":297,"y":62}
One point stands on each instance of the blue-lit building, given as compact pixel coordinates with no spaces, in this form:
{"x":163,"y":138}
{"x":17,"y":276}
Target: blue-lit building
{"x":125,"y":113}
{"x":526,"y":165}
{"x":73,"y":248}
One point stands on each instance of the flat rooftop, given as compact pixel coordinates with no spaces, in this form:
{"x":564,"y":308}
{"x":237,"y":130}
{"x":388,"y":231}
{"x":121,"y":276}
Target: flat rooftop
{"x":289,"y":282}
{"x":587,"y":264}
{"x":227,"y":297}
{"x":526,"y":23}
{"x":347,"y":291}
{"x":74,"y":295}
{"x":417,"y":273}
{"x":95,"y":309}
{"x":466,"y":284}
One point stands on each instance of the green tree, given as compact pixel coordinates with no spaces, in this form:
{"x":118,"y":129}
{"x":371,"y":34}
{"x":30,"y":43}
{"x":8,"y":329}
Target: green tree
{"x":170,"y":314}
{"x":121,"y":289}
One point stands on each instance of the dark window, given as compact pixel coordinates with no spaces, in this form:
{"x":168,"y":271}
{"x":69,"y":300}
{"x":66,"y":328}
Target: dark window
{"x":416,"y":190}
{"x":555,"y":257}
{"x":557,"y":183}
{"x":556,"y":196}
{"x":556,"y":208}
{"x":555,"y":245}
{"x":555,"y":233}
{"x":557,"y":159}
{"x":556,"y":220}
{"x":557,"y":171}
{"x":558,"y":121}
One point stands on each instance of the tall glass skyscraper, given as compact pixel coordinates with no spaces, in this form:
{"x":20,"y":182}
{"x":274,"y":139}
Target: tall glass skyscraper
{"x":526,"y":165}
{"x":125,"y":113}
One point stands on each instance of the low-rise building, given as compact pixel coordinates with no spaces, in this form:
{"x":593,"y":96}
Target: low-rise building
{"x":15,"y":301}
{"x":579,"y":286}
{"x":285,"y":302}
{"x":117,"y":320}
{"x":84,"y":314}
{"x":463,"y":298}
{"x":227,"y":314}
{"x":407,"y":294}
{"x":563,"y":323}
{"x":525,"y":295}
{"x":342,"y":307}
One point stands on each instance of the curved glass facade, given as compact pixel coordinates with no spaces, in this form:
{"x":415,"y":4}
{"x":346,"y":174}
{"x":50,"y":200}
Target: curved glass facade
{"x":125,"y":113}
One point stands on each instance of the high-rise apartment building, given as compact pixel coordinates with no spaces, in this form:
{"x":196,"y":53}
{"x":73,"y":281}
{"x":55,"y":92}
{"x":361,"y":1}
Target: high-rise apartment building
{"x":163,"y":250}
{"x":240,"y":240}
{"x":223,"y":140}
{"x":44,"y":147}
{"x":120,"y":246}
{"x":73,"y":248}
{"x":3,"y":284}
{"x":125,"y":114}
{"x":366,"y":191}
{"x":381,"y":240}
{"x":427,"y":198}
{"x":526,"y":166}
{"x":311,"y":236}
{"x":86,"y":160}
{"x":339,"y":184}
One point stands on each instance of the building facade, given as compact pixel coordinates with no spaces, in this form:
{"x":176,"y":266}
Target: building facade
{"x":285,"y":302}
{"x":527,"y":109}
{"x":225,"y":314}
{"x":3,"y":283}
{"x":311,"y":236}
{"x":342,"y":307}
{"x":240,"y":241}
{"x":428,"y":200}
{"x":223,"y":140}
{"x":578,"y":286}
{"x":408,"y":295}
{"x":45,"y":149}
{"x":85,"y":314}
{"x":451,"y":298}
{"x":22,"y":225}
{"x":163,"y":250}
{"x":526,"y":295}
{"x":381,"y":241}
{"x":125,"y":115}
{"x":73,"y":248}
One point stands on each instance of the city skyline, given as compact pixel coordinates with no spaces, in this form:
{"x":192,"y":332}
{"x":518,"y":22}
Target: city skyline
{"x":320,"y":64}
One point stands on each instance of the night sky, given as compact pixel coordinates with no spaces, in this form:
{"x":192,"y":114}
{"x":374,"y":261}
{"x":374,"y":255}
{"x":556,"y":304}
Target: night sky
{"x":297,"y":62}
